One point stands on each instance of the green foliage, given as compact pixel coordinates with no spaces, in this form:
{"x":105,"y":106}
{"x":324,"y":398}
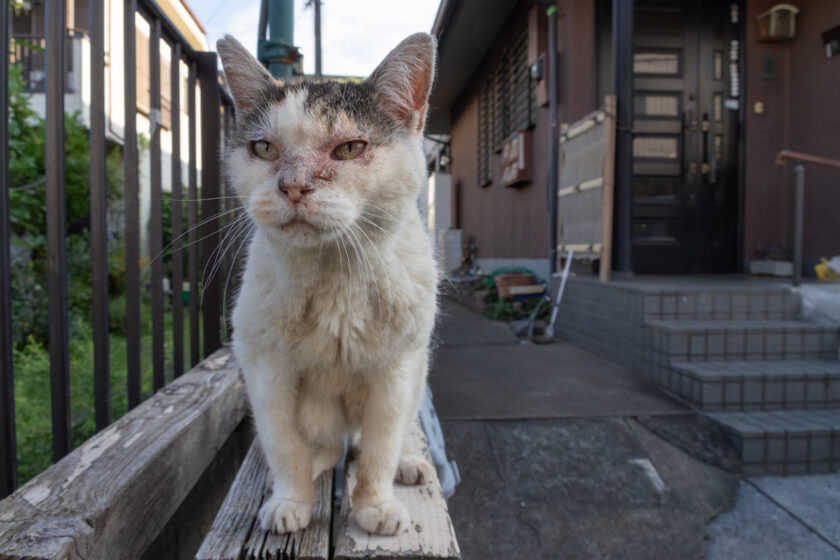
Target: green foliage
{"x":511,"y":309}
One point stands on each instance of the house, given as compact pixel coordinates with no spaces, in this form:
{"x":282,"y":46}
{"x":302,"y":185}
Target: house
{"x":707,"y":94}
{"x":712,"y":104}
{"x":28,"y":36}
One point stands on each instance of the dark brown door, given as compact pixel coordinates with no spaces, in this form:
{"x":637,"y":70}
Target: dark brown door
{"x":685,"y":80}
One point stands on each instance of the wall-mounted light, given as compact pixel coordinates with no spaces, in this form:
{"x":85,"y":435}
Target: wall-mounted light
{"x":777,"y":24}
{"x":831,"y":38}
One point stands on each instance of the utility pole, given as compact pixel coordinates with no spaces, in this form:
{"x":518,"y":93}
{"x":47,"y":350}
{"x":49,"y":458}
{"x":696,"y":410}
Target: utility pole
{"x":278,"y":51}
{"x":317,"y":37}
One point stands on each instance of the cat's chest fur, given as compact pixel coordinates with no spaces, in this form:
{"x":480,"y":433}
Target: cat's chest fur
{"x":322,"y":316}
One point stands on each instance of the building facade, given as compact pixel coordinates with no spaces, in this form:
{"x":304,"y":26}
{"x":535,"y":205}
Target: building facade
{"x":712,"y":98}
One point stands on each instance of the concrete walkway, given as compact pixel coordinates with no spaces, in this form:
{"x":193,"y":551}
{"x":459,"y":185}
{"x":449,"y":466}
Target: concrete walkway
{"x":566,"y":455}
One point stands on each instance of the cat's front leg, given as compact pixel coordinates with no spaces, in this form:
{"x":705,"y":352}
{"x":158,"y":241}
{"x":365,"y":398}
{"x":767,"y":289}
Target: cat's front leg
{"x":274,"y":402}
{"x":385,"y":416}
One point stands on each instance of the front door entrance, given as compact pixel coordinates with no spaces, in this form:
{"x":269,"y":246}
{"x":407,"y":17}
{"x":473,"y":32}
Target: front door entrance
{"x":686,"y":94}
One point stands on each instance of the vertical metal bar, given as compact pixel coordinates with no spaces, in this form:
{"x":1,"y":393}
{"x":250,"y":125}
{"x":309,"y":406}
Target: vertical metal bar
{"x":98,"y":217}
{"x":623,"y":17}
{"x":798,"y":220}
{"x":8,"y":447}
{"x":177,"y":210}
{"x":132,"y":208}
{"x":318,"y":72}
{"x":554,"y":140}
{"x":56,"y":230}
{"x":192,"y":221}
{"x":230,"y":204}
{"x":155,"y":225}
{"x":210,"y":104}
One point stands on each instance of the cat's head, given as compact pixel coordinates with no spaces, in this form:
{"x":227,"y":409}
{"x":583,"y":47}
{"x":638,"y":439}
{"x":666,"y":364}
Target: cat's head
{"x":312,"y":160}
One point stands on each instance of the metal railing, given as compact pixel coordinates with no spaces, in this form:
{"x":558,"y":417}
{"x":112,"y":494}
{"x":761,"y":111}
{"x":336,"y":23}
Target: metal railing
{"x":799,"y":200}
{"x":215,"y":120}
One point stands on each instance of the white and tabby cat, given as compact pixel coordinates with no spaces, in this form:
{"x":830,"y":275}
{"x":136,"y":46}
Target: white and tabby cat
{"x":338,"y":299}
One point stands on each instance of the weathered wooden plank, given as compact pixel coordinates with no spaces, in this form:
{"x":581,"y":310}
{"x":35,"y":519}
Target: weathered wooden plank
{"x":236,"y":532}
{"x":111,"y":497}
{"x":429,"y":535}
{"x":609,"y":178}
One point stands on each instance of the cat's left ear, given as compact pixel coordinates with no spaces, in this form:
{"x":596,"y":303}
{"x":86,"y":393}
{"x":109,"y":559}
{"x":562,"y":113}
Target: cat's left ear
{"x":404,"y":80}
{"x":246,"y":76}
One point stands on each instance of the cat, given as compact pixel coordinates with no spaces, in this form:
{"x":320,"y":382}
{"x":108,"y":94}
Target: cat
{"x":338,"y":299}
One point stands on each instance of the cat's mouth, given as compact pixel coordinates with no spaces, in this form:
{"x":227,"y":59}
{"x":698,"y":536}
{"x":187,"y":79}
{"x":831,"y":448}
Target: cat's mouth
{"x":300,"y":225}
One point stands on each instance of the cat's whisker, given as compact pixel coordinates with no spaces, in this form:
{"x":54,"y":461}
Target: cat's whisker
{"x":216,"y":257}
{"x":372,"y":271}
{"x":245,"y":239}
{"x":384,"y":266}
{"x":187,"y":232}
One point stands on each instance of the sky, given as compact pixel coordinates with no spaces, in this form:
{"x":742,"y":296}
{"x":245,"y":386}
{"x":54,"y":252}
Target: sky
{"x":355,"y":36}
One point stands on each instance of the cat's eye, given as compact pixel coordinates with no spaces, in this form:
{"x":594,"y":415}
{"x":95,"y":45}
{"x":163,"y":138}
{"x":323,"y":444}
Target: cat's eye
{"x":349,"y":150}
{"x":265,"y":150}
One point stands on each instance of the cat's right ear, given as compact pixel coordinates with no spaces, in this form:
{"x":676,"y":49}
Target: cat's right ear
{"x":245,"y":75}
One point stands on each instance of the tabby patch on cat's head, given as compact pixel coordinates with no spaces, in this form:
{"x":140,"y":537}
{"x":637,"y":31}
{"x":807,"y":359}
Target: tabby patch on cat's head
{"x":318,"y":160}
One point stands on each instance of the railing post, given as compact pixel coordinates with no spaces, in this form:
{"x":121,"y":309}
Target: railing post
{"x":132,"y":208}
{"x":210,"y":135}
{"x":798,"y":220}
{"x":8,"y":448}
{"x":56,"y":231}
{"x":177,"y":213}
{"x":99,"y":218}
{"x":156,"y":218}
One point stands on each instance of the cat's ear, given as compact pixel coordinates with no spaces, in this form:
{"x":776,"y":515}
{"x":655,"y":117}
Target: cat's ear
{"x":245,"y":75}
{"x":403,"y":80}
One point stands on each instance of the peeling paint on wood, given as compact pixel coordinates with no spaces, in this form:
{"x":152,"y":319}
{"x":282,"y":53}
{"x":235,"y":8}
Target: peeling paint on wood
{"x":111,"y":497}
{"x":430,"y":534}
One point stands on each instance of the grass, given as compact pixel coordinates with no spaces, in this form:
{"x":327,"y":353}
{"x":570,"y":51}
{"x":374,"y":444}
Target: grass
{"x":32,"y":386}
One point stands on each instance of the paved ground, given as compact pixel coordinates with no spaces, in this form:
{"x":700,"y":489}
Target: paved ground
{"x":565,"y":455}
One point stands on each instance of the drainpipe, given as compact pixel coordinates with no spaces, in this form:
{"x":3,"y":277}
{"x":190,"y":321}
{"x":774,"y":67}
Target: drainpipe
{"x":554,"y":144}
{"x":278,"y":51}
{"x":623,"y":71}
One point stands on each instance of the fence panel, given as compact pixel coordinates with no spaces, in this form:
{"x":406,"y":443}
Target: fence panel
{"x":203,"y":208}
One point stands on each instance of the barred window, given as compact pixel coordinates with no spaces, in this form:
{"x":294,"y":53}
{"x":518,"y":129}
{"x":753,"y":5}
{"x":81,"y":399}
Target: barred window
{"x":485,"y":139}
{"x":506,"y":103}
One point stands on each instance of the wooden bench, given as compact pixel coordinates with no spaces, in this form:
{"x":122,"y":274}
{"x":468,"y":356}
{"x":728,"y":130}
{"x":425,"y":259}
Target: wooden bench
{"x":147,"y":487}
{"x":332,"y":534}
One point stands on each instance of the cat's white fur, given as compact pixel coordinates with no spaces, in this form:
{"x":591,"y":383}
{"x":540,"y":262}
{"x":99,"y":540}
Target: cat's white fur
{"x":332,"y":327}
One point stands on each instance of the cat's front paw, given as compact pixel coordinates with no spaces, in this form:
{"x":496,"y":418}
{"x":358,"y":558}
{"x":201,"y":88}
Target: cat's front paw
{"x":285,"y":516}
{"x":386,"y":518}
{"x":413,"y":470}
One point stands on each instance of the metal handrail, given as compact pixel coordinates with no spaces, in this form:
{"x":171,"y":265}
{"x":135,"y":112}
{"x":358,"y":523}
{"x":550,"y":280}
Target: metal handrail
{"x":799,"y":200}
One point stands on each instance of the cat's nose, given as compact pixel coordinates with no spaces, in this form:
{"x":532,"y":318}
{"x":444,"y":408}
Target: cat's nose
{"x":295,"y":192}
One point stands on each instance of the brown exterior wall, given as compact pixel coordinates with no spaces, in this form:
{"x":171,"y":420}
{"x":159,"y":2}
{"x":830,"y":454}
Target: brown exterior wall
{"x":513,"y":222}
{"x":801,"y":113}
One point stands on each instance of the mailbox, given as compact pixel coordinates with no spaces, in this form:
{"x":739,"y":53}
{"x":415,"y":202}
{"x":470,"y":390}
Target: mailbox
{"x":777,"y":24}
{"x":516,"y":158}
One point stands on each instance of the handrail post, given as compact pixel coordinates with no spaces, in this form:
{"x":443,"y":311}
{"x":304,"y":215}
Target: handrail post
{"x":798,"y":220}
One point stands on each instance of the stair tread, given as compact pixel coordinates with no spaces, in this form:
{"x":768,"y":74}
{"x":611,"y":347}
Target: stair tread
{"x":783,"y":422}
{"x":710,"y":371}
{"x":724,"y":324}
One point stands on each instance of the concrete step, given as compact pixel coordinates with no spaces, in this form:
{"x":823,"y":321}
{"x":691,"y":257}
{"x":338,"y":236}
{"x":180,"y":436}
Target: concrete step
{"x":736,"y":340}
{"x":757,"y":385}
{"x":785,"y":442}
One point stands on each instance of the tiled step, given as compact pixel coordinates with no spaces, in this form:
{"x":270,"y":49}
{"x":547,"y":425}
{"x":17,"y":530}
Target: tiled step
{"x":785,"y":442}
{"x":760,"y":302}
{"x":721,"y":340}
{"x":757,"y":385}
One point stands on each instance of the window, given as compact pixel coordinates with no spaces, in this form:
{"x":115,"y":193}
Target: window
{"x":506,"y":103}
{"x":144,"y":79}
{"x":485,"y":140}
